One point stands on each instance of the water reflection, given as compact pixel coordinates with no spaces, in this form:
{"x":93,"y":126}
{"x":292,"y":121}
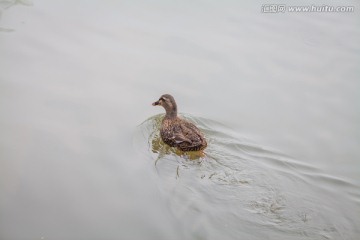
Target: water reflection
{"x":158,"y":146}
{"x":6,"y":4}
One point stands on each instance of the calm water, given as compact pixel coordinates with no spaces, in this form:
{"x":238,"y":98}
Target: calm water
{"x":277,"y":96}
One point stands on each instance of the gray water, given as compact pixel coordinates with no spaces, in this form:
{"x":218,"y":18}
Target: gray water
{"x":276,"y":95}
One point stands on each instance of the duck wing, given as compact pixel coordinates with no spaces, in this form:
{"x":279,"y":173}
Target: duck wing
{"x":187,"y":133}
{"x":182,"y":134}
{"x":181,"y":138}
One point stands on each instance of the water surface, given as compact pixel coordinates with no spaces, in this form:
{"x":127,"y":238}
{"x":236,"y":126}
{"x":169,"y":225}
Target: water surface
{"x":277,"y":96}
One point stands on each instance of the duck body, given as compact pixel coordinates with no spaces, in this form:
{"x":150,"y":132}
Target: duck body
{"x":178,"y":132}
{"x":182,"y":134}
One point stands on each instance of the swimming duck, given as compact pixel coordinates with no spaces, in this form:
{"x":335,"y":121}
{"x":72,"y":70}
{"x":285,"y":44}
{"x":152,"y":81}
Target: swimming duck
{"x":177,"y":132}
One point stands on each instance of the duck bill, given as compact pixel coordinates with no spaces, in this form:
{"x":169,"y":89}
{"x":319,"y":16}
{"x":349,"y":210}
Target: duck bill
{"x":156,"y":103}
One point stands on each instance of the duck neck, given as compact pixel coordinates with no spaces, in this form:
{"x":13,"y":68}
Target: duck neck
{"x":171,"y":112}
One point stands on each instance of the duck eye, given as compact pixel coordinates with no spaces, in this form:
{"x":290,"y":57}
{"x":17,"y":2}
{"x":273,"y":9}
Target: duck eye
{"x":163,"y":99}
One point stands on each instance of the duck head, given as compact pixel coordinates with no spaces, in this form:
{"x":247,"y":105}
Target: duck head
{"x":168,"y":102}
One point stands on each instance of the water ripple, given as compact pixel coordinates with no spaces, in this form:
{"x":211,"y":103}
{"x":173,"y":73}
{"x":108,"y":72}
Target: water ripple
{"x":246,"y":184}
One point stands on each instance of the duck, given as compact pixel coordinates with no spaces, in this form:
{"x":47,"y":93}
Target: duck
{"x":178,"y":132}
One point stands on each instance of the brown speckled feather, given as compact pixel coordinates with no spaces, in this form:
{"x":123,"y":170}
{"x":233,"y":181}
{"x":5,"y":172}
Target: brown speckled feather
{"x":182,"y":134}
